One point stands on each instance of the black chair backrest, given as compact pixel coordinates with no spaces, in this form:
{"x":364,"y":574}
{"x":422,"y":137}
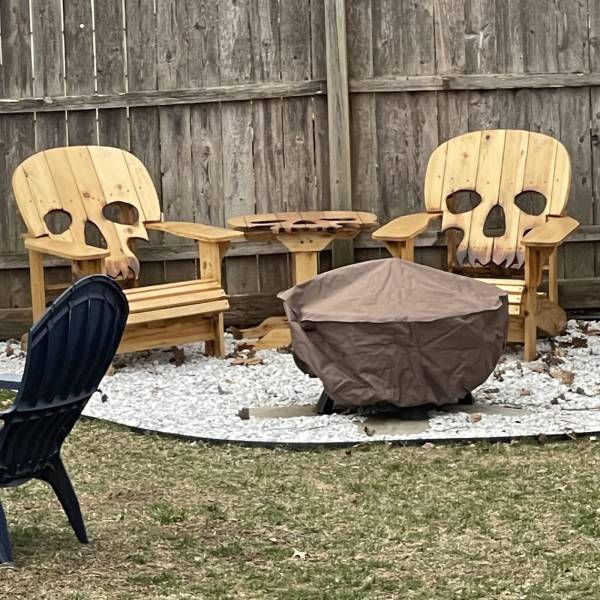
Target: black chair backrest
{"x":69,"y":351}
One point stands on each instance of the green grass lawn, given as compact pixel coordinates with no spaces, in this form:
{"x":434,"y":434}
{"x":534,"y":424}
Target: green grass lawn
{"x":171,"y":519}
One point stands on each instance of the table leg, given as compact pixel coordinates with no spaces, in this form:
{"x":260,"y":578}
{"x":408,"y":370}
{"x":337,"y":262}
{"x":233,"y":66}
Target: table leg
{"x":304,"y":266}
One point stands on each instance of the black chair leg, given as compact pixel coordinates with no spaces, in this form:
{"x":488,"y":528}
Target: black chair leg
{"x":5,"y":545}
{"x":56,"y":475}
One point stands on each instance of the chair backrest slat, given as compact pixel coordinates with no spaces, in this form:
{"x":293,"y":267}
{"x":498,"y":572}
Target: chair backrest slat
{"x":69,"y":350}
{"x":498,"y":165}
{"x":82,"y":181}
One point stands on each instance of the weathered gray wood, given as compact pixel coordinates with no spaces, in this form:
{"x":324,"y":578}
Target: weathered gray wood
{"x":573,"y":35}
{"x":363,"y":133}
{"x":488,"y":81}
{"x":317,"y":36}
{"x":207,"y":166}
{"x":176,"y":166}
{"x":144,"y":139}
{"x":574,"y":106}
{"x":113,"y":128}
{"x":16,"y":76}
{"x":594,"y":36}
{"x":241,"y":275}
{"x":82,"y":127}
{"x":141,"y":45}
{"x":340,"y":170}
{"x":48,"y":53}
{"x":223,"y":93}
{"x":110,"y":46}
{"x":236,"y":52}
{"x":449,"y":37}
{"x":267,"y":114}
{"x":541,"y":38}
{"x":79,"y":48}
{"x":50,"y":131}
{"x":203,"y":49}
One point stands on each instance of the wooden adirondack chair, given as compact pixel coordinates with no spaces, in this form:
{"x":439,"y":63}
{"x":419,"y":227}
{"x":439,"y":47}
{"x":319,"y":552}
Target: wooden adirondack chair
{"x":84,"y":181}
{"x":502,"y":167}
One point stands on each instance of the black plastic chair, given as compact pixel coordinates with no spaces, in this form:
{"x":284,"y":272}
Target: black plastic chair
{"x":69,"y":350}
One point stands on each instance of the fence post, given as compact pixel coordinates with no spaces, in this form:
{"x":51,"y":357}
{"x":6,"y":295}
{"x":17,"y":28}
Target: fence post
{"x":338,"y":113}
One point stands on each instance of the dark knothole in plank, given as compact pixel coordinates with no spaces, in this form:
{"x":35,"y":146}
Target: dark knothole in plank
{"x":121,"y":212}
{"x":58,"y":221}
{"x":462,"y":201}
{"x":532,"y":203}
{"x":495,"y":222}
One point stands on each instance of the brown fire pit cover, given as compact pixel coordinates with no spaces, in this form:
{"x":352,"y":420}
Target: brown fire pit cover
{"x":396,"y":332}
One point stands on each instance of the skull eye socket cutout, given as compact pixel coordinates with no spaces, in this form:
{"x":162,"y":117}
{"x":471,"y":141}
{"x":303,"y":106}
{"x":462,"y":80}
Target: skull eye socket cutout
{"x":58,"y":221}
{"x":531,"y":203}
{"x":463,"y":201}
{"x":121,"y":213}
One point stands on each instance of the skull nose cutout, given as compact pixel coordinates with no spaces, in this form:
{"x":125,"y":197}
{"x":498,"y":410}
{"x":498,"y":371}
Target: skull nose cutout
{"x":463,"y":201}
{"x":93,"y":235}
{"x":495,"y":222}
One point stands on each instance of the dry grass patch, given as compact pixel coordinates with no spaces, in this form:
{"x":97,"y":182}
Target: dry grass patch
{"x":174,"y":520}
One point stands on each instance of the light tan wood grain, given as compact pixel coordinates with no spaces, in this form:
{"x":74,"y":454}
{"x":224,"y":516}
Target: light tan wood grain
{"x":83,"y":181}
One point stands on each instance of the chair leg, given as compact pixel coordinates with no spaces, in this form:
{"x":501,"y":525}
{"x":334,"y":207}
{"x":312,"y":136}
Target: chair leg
{"x":530,"y":349}
{"x":216,"y":346}
{"x":56,"y":475}
{"x":5,"y":545}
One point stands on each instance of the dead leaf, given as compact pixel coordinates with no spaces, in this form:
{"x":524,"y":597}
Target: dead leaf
{"x":247,"y":362}
{"x":552,"y":359}
{"x":244,"y":346}
{"x":574,"y":342}
{"x":579,"y":342}
{"x":565,"y":377}
{"x":525,"y":392}
{"x":475,"y":418}
{"x":244,"y":414}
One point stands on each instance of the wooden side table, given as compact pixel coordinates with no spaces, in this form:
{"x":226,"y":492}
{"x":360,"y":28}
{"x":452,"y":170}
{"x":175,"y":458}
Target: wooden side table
{"x":304,"y":234}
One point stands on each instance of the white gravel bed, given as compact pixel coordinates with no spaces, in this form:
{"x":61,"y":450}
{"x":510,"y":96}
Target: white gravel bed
{"x":560,"y":394}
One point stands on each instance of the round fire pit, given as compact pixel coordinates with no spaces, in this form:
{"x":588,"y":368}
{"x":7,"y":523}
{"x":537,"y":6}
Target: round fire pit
{"x":392,"y":332}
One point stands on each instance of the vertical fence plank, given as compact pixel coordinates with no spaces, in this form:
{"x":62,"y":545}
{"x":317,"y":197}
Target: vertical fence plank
{"x":79,"y":75}
{"x":235,"y":50}
{"x":113,"y":124}
{"x":339,"y":110}
{"x":48,"y":50}
{"x":144,"y":128}
{"x":18,"y":138}
{"x":363,"y":133}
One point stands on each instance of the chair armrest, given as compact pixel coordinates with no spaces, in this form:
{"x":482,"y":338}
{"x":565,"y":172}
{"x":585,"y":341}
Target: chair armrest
{"x":196,"y":231}
{"x":405,"y":228}
{"x":70,"y":250}
{"x":10,"y":381}
{"x":552,"y":233}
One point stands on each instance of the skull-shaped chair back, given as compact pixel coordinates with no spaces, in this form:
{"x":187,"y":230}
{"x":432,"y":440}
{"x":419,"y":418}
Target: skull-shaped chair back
{"x":499,"y":166}
{"x":81,"y":183}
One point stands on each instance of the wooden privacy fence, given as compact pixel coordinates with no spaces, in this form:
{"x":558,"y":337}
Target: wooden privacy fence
{"x":238,"y":106}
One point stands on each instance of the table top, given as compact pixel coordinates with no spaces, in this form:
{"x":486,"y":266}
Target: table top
{"x":327,"y":221}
